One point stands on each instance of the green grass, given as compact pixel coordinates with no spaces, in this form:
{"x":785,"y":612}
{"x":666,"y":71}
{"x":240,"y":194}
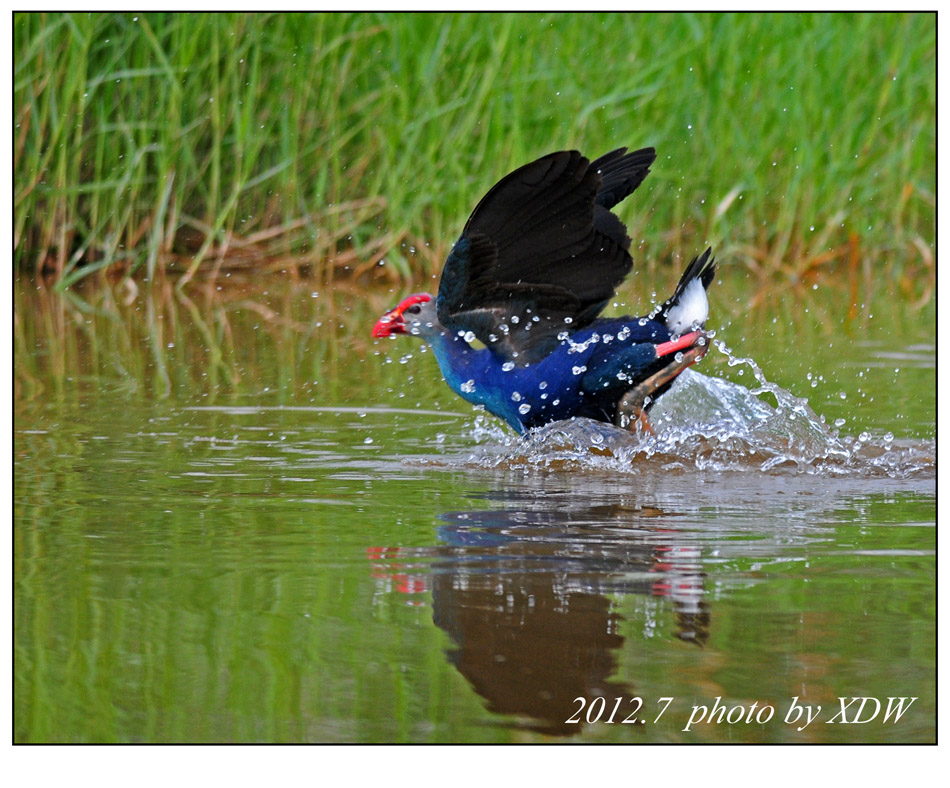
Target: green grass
{"x":329,"y":142}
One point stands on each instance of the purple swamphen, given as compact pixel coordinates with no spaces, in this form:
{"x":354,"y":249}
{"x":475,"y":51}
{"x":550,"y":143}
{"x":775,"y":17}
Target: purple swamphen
{"x":540,"y":257}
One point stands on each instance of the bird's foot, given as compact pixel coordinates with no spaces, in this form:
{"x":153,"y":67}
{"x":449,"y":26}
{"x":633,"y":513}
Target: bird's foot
{"x":631,"y":413}
{"x":642,"y":424}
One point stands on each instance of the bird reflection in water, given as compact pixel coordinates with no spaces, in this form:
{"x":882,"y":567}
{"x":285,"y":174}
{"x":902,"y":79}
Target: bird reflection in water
{"x":526,"y":597}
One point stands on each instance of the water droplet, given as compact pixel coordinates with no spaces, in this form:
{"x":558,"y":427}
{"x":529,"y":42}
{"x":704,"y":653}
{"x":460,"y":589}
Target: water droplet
{"x":508,"y":366}
{"x":578,"y":370}
{"x":524,"y":408}
{"x":516,"y":396}
{"x":468,"y":386}
{"x":367,"y":441}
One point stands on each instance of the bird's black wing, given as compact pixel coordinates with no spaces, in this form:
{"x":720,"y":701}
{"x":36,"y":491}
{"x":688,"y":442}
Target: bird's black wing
{"x":620,"y":173}
{"x":541,"y":253}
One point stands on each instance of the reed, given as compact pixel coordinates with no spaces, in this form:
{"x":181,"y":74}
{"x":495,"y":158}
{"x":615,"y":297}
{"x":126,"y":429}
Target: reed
{"x":356,"y":144}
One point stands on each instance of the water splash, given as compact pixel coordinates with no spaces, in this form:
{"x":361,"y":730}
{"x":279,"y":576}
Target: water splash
{"x":709,"y":423}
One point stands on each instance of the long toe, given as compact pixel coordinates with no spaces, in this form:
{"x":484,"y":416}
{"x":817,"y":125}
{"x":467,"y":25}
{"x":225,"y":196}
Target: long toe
{"x":635,"y":401}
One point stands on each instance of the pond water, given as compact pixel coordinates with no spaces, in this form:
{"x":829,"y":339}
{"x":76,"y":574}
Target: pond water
{"x":237,"y":518}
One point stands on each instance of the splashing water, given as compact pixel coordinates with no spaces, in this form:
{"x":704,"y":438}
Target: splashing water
{"x":709,"y":423}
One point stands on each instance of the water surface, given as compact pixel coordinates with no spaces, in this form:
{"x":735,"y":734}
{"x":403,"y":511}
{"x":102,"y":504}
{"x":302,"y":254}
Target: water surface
{"x":237,"y":518}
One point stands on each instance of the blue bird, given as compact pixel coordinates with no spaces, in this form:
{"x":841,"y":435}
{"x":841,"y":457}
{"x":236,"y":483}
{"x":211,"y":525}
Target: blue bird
{"x":540,"y":257}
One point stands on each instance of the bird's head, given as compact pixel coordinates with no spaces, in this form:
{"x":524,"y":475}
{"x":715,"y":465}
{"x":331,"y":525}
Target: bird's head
{"x":412,"y":316}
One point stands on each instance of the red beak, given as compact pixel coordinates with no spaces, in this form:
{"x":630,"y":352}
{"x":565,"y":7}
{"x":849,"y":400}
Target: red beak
{"x":390,"y":323}
{"x":393,"y":322}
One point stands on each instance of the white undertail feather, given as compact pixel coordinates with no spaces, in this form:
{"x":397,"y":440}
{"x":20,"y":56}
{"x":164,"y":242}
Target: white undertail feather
{"x":690,"y":310}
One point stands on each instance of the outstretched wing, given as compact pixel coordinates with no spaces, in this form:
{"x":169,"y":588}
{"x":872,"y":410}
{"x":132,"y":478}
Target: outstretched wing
{"x":541,"y":253}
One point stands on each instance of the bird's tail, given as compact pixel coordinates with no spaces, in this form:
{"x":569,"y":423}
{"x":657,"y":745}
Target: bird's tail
{"x":688,"y":307}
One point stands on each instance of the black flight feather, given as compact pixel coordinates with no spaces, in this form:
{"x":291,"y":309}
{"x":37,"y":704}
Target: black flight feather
{"x":541,"y":253}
